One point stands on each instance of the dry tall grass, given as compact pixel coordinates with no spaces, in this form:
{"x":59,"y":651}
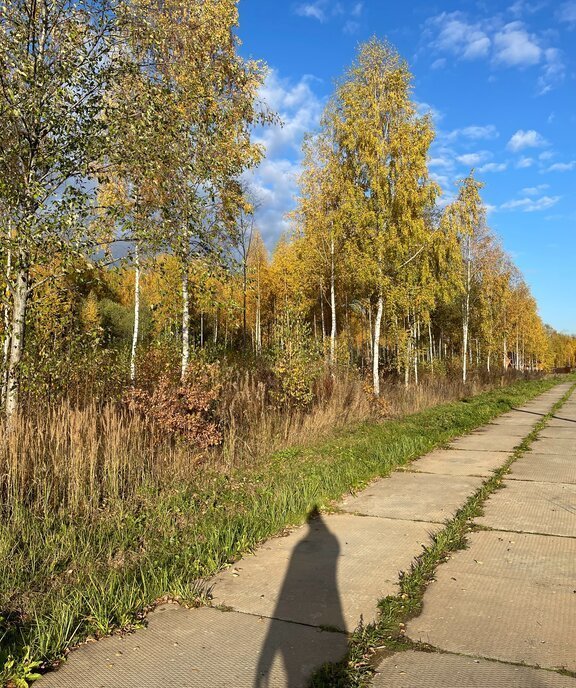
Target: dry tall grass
{"x":75,"y":459}
{"x":78,"y":458}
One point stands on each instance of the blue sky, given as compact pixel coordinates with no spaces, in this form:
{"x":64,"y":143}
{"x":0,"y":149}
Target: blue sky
{"x":499,"y":79}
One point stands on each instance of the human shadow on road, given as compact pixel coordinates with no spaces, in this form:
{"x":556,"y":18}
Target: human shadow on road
{"x":309,"y":595}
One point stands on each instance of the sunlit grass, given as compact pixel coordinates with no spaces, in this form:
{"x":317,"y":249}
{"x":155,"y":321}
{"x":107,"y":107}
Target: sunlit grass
{"x":387,"y":632}
{"x":65,"y":576}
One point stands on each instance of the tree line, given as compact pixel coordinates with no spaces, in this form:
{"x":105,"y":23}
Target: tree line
{"x":128,"y":227}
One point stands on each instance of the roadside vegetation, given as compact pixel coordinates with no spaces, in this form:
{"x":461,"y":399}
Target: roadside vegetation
{"x":162,"y":366}
{"x":73,"y":567}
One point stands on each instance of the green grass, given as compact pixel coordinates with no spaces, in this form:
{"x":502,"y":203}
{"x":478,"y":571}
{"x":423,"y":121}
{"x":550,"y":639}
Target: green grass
{"x":66,"y":577}
{"x":368,"y":643}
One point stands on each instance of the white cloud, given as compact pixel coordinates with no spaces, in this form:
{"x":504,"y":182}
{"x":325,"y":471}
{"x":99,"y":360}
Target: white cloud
{"x":562,"y":166}
{"x":474,"y":133}
{"x":427,"y":109}
{"x":515,"y":47}
{"x":493,"y":167}
{"x":567,"y":13}
{"x":521,"y":7}
{"x":275,"y":187}
{"x":535,"y":190}
{"x":530,"y":205}
{"x":525,"y":139}
{"x":324,"y":10}
{"x":524,"y":162}
{"x":473,"y":159}
{"x":553,"y":71}
{"x":440,"y":63}
{"x":274,"y":182}
{"x":314,"y":10}
{"x":510,"y":45}
{"x":439,"y":161}
{"x":357,"y":9}
{"x":459,"y":37}
{"x":351,"y":26}
{"x":298,"y":107}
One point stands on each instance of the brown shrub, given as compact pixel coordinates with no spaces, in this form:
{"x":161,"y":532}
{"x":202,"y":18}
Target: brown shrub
{"x":187,"y":408}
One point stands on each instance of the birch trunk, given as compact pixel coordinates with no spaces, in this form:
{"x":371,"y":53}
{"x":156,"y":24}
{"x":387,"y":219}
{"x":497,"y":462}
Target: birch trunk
{"x":185,"y":322}
{"x":370,"y":338}
{"x":244,"y":303}
{"x":376,"y":346}
{"x":17,"y":332}
{"x":323,"y":323}
{"x":407,"y":361}
{"x":258,"y":323}
{"x":431,"y":346}
{"x":136,"y":328}
{"x":466,"y":314}
{"x":258,"y":328}
{"x":416,"y":350}
{"x":332,"y":307}
{"x":7,"y":335}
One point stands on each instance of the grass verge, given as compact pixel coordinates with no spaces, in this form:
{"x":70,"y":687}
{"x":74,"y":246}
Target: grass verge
{"x":68,"y":576}
{"x":371,"y":642}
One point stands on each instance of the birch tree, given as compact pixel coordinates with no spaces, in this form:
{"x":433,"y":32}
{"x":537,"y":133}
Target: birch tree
{"x":324,"y":211}
{"x":467,"y":215}
{"x":140,"y":125}
{"x":54,"y":67}
{"x":193,"y":51}
{"x":257,"y":264}
{"x":386,"y":145}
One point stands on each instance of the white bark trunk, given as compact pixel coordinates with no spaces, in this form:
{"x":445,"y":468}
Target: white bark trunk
{"x":136,"y":328}
{"x":466,"y":314}
{"x":465,"y":349}
{"x":185,"y":322}
{"x":416,"y":349}
{"x":322,"y":315}
{"x":7,"y":335}
{"x":258,"y":324}
{"x":17,"y":330}
{"x":407,"y":360}
{"x":258,"y":327}
{"x":431,"y":347}
{"x":332,"y":307}
{"x":376,"y":346}
{"x":370,"y":336}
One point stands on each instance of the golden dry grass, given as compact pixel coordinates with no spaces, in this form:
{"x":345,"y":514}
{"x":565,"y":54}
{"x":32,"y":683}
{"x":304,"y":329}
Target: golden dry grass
{"x":78,"y":458}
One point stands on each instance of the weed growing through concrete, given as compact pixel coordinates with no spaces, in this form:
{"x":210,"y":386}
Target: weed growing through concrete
{"x":372,"y":642}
